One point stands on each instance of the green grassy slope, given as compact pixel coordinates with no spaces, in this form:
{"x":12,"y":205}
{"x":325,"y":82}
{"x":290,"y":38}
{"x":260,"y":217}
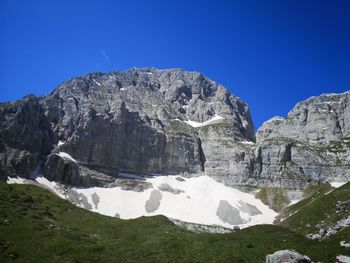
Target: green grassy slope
{"x":319,"y":208}
{"x":37,"y":226}
{"x":311,"y":193}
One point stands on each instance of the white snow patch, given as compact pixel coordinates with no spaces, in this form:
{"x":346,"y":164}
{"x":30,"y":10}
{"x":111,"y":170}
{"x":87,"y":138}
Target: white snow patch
{"x":345,"y":244}
{"x":51,"y":185}
{"x":204,"y":195}
{"x":55,"y":187}
{"x":65,"y":155}
{"x":294,"y":201}
{"x":16,"y":180}
{"x":60,"y":143}
{"x":94,"y":80}
{"x":122,"y":89}
{"x":337,"y":184}
{"x":198,"y":203}
{"x":247,"y":142}
{"x":343,"y":259}
{"x":215,"y":119}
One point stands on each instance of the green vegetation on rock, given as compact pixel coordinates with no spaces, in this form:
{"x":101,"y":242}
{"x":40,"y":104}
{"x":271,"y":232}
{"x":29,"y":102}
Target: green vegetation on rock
{"x":311,"y":193}
{"x":274,"y":197}
{"x":321,"y":209}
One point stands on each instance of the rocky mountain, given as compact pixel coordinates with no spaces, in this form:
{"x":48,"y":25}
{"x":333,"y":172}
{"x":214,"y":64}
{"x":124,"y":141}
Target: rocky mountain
{"x":317,"y":120}
{"x":93,"y":129}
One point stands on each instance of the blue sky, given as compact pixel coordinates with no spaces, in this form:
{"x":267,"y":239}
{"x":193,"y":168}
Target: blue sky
{"x":272,"y":54}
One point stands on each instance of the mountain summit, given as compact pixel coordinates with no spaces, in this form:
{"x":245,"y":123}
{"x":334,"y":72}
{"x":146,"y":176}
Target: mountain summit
{"x":94,"y":129}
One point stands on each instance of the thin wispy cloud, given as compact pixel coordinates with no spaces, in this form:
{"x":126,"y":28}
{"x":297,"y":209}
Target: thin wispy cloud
{"x":104,"y":54}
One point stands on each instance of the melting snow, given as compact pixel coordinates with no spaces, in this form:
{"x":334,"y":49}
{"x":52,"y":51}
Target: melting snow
{"x":197,"y":201}
{"x":53,"y":186}
{"x":337,"y":184}
{"x":17,"y":180}
{"x":94,"y":80}
{"x":343,"y":259}
{"x":247,"y":142}
{"x":345,"y":244}
{"x":215,"y":119}
{"x":65,"y":155}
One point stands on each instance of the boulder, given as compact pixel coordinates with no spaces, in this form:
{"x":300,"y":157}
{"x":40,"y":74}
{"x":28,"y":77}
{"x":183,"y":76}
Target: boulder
{"x":288,"y":255}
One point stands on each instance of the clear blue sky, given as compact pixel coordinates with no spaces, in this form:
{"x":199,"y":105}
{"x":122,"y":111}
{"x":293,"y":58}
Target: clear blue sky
{"x":271,"y":54}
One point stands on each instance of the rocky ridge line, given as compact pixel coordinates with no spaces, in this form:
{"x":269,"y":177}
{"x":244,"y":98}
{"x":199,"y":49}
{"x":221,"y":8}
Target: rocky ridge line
{"x":92,"y":129}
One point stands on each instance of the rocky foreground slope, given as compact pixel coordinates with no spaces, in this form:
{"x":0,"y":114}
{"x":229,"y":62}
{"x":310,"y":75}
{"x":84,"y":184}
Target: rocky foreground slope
{"x":93,"y":129}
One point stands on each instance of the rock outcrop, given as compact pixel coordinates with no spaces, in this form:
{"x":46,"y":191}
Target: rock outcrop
{"x":317,"y":120}
{"x":25,"y":137}
{"x":93,"y":128}
{"x":311,"y":143}
{"x":287,"y":255}
{"x":135,"y":120}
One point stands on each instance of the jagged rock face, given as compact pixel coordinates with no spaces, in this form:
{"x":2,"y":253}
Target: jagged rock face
{"x":310,"y":144}
{"x":25,"y":137}
{"x":133,"y":120}
{"x":289,"y":159}
{"x":316,"y":120}
{"x":141,"y":121}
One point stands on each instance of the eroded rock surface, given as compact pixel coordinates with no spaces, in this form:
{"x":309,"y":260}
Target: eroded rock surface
{"x":146,"y":121}
{"x":316,"y":120}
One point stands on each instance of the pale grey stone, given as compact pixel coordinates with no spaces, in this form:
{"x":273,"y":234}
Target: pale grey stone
{"x":95,"y":199}
{"x":167,"y":188}
{"x":229,"y":214}
{"x":248,"y":208}
{"x":153,"y":203}
{"x":287,"y":255}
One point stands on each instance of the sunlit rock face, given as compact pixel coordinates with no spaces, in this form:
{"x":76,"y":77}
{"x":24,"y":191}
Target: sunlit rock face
{"x":316,"y":120}
{"x":142,"y":121}
{"x":312,"y":143}
{"x":97,"y":129}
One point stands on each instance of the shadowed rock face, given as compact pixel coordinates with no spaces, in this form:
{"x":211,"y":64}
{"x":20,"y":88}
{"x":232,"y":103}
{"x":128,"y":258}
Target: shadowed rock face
{"x":25,"y":137}
{"x":135,"y":121}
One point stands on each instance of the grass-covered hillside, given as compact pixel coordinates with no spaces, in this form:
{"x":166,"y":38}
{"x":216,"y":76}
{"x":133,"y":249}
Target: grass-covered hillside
{"x":311,"y":193}
{"x":321,"y":210}
{"x":37,"y":226}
